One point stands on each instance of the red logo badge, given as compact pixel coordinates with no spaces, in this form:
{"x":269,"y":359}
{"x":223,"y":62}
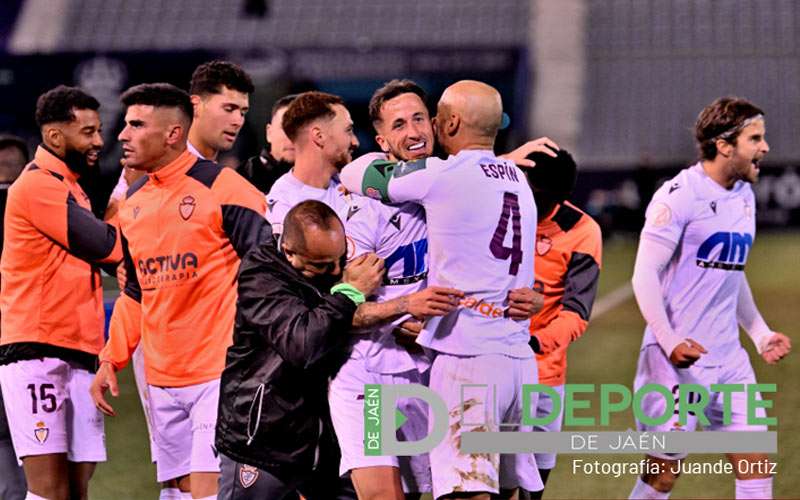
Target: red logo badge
{"x":543,"y":245}
{"x":186,"y":207}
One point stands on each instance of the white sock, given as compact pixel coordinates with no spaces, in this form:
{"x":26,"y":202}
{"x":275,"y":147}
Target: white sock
{"x":754,"y":488}
{"x":32,"y":496}
{"x":643,"y":490}
{"x":170,"y":494}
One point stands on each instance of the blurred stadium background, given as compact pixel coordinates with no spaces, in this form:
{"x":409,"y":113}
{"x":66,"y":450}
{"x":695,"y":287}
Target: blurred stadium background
{"x":617,"y":82}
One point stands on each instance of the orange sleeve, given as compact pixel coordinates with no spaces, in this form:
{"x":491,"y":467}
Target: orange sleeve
{"x":566,"y":327}
{"x":125,"y":331}
{"x":53,"y":210}
{"x":580,"y":288}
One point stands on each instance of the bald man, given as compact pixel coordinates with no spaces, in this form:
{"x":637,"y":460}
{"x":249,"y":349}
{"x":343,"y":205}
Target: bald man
{"x":484,"y":253}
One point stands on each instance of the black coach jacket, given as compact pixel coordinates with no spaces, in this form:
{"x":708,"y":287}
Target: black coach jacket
{"x":289,"y":339}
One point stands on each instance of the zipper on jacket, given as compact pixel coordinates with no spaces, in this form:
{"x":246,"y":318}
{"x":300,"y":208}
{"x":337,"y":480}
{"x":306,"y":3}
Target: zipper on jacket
{"x":259,"y":397}
{"x":316,"y":449}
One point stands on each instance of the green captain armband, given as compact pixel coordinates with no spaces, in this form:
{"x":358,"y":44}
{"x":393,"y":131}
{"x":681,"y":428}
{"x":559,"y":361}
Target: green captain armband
{"x":350,"y":292}
{"x":378,"y":174}
{"x":376,"y":179}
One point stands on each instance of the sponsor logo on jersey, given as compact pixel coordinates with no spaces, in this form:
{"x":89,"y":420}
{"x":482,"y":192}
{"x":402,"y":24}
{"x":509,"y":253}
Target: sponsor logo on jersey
{"x":674,"y":187}
{"x":248,"y":475}
{"x":186,"y":208}
{"x":167,"y":268}
{"x":483,"y":308}
{"x":41,"y":432}
{"x":271,"y":204}
{"x":734,"y":248}
{"x":413,"y":257}
{"x":713,"y":206}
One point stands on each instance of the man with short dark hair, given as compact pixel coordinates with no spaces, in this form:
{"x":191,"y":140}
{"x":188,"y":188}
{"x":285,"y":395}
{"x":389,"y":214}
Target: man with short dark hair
{"x":691,"y":288}
{"x":52,"y":301}
{"x":220,"y":93}
{"x":277,"y":157}
{"x":292,"y":324}
{"x":185,"y":227}
{"x":409,"y":135}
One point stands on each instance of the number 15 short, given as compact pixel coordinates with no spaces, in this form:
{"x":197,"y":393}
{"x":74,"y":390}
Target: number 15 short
{"x":49,"y":410}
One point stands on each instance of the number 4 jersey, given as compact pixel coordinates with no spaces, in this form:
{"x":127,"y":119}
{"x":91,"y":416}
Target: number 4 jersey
{"x":712,"y":230}
{"x":481,"y":228}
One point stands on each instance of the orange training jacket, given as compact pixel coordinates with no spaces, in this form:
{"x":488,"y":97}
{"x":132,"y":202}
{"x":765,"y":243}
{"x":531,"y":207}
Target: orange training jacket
{"x":568,"y":260}
{"x":51,"y":296}
{"x":184,"y":231}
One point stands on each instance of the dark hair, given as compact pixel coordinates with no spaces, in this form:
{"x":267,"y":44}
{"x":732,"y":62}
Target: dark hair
{"x":306,"y":108}
{"x":722,"y":119}
{"x":389,"y":91}
{"x":305,"y":215}
{"x":159,"y":95}
{"x":281,"y":103}
{"x":554,"y":176}
{"x":12,"y":141}
{"x":210,"y":77}
{"x":56,"y":105}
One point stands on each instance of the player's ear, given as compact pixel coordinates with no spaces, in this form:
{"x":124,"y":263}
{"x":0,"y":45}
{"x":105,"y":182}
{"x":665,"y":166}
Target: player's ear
{"x":452,"y":125}
{"x":196,"y":100}
{"x":174,"y":133}
{"x":317,"y":136}
{"x":724,"y":148}
{"x":266,"y":132}
{"x":384,"y":145}
{"x":54,"y":137}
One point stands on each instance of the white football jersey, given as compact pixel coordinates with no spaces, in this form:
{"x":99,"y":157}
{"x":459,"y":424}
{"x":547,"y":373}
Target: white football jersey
{"x":481,"y":227}
{"x":288,"y":191}
{"x":397,"y":234}
{"x":713,"y":229}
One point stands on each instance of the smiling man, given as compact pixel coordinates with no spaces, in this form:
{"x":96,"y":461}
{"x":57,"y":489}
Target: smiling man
{"x":321,"y":129}
{"x":220,"y":92}
{"x":52,"y":301}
